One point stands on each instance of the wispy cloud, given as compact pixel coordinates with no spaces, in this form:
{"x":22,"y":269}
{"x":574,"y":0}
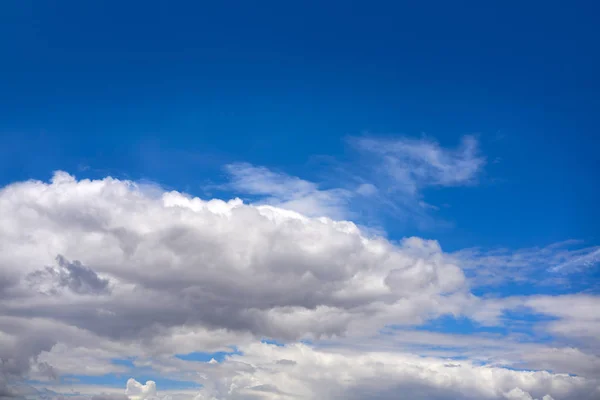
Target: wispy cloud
{"x":289,"y":192}
{"x":586,"y":258}
{"x":410,"y":164}
{"x":496,"y":266}
{"x":385,"y":176}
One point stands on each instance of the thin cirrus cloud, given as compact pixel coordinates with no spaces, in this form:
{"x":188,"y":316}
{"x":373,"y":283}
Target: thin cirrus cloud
{"x":289,"y":192}
{"x":148,"y":276}
{"x":543,"y":265}
{"x":412,"y":164}
{"x":390,"y":172}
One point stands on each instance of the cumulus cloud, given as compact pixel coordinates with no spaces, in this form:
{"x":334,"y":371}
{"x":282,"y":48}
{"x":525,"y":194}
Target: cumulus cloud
{"x":175,"y":262}
{"x":145,"y":275}
{"x":137,"y":391}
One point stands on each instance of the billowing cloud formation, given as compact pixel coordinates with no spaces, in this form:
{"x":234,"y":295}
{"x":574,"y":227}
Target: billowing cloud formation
{"x":137,"y":391}
{"x":175,"y":261}
{"x":94,"y":271}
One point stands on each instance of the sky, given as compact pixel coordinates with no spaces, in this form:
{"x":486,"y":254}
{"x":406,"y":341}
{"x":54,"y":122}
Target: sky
{"x":307,"y":200}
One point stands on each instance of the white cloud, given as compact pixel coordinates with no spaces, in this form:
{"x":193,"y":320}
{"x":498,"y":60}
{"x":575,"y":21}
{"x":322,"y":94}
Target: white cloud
{"x":587,"y":258}
{"x":544,"y":265}
{"x":137,"y":391}
{"x":289,"y":192}
{"x":389,"y":172}
{"x":513,"y":350}
{"x":412,"y":164}
{"x":147,"y":275}
{"x":177,"y":263}
{"x":573,"y":319}
{"x":302,"y":372}
{"x":299,"y":371}
{"x":577,"y":316}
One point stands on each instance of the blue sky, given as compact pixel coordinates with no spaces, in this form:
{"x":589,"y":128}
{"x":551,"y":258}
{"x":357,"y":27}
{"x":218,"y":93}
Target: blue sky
{"x":473,"y":124}
{"x":126,"y":88}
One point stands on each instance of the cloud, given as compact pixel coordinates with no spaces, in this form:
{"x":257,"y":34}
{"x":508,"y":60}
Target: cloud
{"x":22,"y":392}
{"x":6,"y":392}
{"x":572,"y":319}
{"x":289,"y":192}
{"x":110,"y":397}
{"x":512,"y":349}
{"x":329,"y":374}
{"x":179,"y":264}
{"x":542,"y":265}
{"x":137,"y":391}
{"x":256,"y":372}
{"x":413,"y":164}
{"x":73,"y":276}
{"x":155,"y":274}
{"x":85,"y":359}
{"x":390,"y":173}
{"x":576,"y":316}
{"x":585,"y":259}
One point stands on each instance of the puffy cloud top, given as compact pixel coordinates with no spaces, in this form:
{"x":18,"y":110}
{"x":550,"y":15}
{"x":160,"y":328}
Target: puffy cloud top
{"x":173,"y":260}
